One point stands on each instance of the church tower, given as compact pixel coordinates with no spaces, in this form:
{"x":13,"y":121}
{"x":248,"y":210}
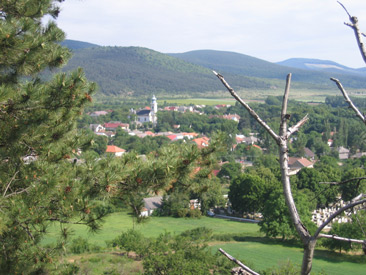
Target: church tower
{"x":154,"y":110}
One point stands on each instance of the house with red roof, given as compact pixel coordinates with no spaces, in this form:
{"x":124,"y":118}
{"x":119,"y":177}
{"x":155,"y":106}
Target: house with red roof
{"x":296,"y":164}
{"x":115,"y":150}
{"x":172,"y":137}
{"x":113,"y":126}
{"x":202,"y":142}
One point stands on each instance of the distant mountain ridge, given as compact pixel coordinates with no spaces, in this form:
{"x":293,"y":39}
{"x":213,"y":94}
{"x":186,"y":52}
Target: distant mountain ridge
{"x":76,"y":45}
{"x":246,"y":65}
{"x":321,"y":65}
{"x":142,"y":71}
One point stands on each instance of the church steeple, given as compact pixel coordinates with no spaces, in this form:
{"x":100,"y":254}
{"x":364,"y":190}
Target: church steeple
{"x":154,"y":110}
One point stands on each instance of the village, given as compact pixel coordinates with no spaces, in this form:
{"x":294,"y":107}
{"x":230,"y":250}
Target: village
{"x":149,"y":115}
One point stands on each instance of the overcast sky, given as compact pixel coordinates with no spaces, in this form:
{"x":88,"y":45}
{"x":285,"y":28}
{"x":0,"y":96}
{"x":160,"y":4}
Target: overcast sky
{"x":273,"y":30}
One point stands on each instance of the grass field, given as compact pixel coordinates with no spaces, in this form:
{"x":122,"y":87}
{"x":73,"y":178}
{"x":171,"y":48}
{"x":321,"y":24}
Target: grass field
{"x":254,"y":249}
{"x":117,"y":223}
{"x":262,"y":255}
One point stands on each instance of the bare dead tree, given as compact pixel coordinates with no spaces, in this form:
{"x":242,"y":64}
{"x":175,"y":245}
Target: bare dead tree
{"x":308,"y":240}
{"x":281,"y":139}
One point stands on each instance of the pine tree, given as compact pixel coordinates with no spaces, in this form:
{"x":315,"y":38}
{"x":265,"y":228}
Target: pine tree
{"x":38,"y":182}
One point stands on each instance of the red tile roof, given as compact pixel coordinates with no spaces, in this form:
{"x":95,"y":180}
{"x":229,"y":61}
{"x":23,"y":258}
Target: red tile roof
{"x":115,"y":124}
{"x":114,"y":149}
{"x":202,"y":142}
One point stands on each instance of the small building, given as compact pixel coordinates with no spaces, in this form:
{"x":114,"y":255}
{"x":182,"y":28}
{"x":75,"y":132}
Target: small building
{"x":232,"y":117}
{"x":250,"y":140}
{"x":194,"y":204}
{"x":309,"y":154}
{"x":150,"y":205}
{"x":358,"y":155}
{"x":118,"y":152}
{"x":296,"y":164}
{"x":202,"y":142}
{"x":98,"y":113}
{"x":343,"y":153}
{"x":149,"y":114}
{"x":113,"y":126}
{"x":96,"y":128}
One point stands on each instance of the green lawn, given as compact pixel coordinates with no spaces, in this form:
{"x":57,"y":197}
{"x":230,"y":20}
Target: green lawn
{"x":261,"y":256}
{"x":116,"y":223}
{"x":255,"y":250}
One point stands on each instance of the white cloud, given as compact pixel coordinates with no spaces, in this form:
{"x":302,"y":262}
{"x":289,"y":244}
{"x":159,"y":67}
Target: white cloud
{"x":272,"y":30}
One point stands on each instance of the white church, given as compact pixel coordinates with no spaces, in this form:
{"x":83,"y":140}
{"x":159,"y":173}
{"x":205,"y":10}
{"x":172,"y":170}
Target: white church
{"x":147,"y":115}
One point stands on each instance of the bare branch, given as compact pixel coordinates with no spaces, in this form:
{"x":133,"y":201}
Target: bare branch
{"x":296,"y":128}
{"x":11,"y":180}
{"x":348,"y":100}
{"x":342,"y":182}
{"x":249,"y":109}
{"x":345,"y":9}
{"x":18,"y":192}
{"x":243,"y":266}
{"x":335,"y":237}
{"x":360,"y":196}
{"x":335,"y":214}
{"x":354,"y":25}
{"x":285,"y":98}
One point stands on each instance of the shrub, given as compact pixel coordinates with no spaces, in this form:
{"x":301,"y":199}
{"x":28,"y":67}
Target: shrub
{"x":81,"y":245}
{"x":199,"y":233}
{"x":194,"y":213}
{"x":183,"y":212}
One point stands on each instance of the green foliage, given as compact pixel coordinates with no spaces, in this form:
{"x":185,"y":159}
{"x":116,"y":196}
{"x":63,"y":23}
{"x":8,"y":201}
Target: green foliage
{"x":38,"y":182}
{"x":276,"y":217}
{"x":176,"y":205}
{"x":247,"y":193}
{"x":354,"y":187}
{"x":132,"y":240}
{"x":353,"y":230}
{"x":81,"y":245}
{"x":199,"y":233}
{"x":140,"y":145}
{"x":287,"y":268}
{"x":311,"y":178}
{"x":184,"y":254}
{"x":230,"y":170}
{"x":179,"y":169}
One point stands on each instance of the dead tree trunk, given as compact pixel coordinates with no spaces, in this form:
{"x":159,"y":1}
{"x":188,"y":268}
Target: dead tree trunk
{"x":309,"y":241}
{"x":281,"y":139}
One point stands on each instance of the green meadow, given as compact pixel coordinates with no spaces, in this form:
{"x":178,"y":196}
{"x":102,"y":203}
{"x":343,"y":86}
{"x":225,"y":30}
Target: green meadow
{"x":246,"y":243}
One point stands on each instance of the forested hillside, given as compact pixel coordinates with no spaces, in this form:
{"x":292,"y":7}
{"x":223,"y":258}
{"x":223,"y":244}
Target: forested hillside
{"x":242,"y":64}
{"x":139,"y":71}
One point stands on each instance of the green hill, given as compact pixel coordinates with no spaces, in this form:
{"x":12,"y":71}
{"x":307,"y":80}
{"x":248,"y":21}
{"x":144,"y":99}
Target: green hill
{"x":75,"y":45}
{"x":242,"y":64}
{"x":141,"y":71}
